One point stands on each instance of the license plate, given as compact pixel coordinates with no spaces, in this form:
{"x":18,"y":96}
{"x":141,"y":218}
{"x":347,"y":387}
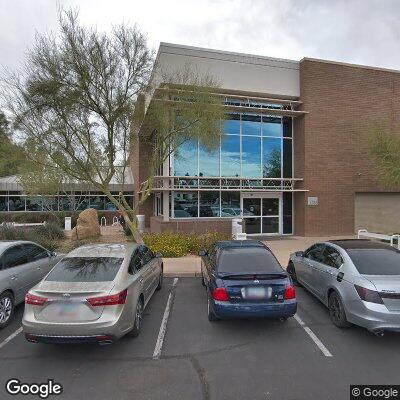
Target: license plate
{"x":67,"y":309}
{"x":258,"y":293}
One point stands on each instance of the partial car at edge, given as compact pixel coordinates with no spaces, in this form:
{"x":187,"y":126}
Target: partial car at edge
{"x":357,"y":279}
{"x":22,"y":265}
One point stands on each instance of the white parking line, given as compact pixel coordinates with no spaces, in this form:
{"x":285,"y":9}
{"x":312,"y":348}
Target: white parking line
{"x":163,"y":327}
{"x":11,"y":337}
{"x":313,"y":336}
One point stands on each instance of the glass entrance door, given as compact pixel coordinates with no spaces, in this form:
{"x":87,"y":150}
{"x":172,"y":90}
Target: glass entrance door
{"x":261,"y":215}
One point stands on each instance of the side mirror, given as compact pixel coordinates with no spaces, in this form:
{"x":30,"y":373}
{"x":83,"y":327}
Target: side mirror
{"x":202,"y":253}
{"x":52,"y":254}
{"x":299,"y":253}
{"x":159,"y":255}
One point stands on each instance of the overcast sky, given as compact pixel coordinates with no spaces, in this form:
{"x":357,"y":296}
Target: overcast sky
{"x":359,"y":31}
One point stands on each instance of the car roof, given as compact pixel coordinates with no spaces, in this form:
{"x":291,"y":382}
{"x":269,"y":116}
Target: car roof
{"x":348,"y":244}
{"x":230,"y":244}
{"x":115,"y":250}
{"x":5,"y":244}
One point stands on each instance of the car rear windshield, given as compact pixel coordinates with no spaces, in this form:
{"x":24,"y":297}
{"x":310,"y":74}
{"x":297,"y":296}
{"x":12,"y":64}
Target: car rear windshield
{"x":376,"y":261}
{"x":248,"y":260}
{"x":85,"y":269}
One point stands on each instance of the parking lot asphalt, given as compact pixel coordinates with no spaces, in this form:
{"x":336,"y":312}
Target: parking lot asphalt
{"x":237,"y":359}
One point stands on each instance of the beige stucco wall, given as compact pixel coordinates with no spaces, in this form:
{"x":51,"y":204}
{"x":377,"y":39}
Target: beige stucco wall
{"x":377,"y":212}
{"x":234,"y":71}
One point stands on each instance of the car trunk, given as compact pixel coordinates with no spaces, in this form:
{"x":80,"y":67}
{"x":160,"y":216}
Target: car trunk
{"x":67,"y":301}
{"x":388,"y":287}
{"x":255,"y":288}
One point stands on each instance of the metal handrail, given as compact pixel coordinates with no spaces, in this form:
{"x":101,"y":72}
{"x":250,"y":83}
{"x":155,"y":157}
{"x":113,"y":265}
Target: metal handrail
{"x":222,"y":183}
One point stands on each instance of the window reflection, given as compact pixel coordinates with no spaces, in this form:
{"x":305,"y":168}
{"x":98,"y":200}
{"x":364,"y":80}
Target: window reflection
{"x":272,"y":126}
{"x":185,"y":204}
{"x":3,"y":203}
{"x":251,"y":125}
{"x":272,"y":157}
{"x":230,"y":156}
{"x":209,"y":204}
{"x":16,"y":203}
{"x":185,"y":160}
{"x":50,"y":203}
{"x":232,"y":124}
{"x":230,"y":204}
{"x":251,"y":157}
{"x":208,"y":162}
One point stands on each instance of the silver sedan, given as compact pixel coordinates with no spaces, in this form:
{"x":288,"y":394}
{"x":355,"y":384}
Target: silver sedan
{"x":358,"y":280}
{"x":97,"y":293}
{"x":22,"y":265}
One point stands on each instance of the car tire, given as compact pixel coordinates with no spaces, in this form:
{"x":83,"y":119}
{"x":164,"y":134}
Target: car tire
{"x":6,"y":309}
{"x":337,"y":312}
{"x":137,"y":325}
{"x":212,"y":317}
{"x":202,"y":280}
{"x":292,"y":273}
{"x":160,"y":281}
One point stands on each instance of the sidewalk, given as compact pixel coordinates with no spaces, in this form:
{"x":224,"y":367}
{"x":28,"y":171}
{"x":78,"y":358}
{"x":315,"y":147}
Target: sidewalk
{"x":190,"y":266}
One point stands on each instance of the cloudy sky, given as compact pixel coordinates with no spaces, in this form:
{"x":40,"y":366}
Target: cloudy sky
{"x":359,"y":31}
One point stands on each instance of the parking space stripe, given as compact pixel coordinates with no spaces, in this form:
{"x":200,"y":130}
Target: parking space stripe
{"x":163,"y":327}
{"x":313,"y":336}
{"x":11,"y":337}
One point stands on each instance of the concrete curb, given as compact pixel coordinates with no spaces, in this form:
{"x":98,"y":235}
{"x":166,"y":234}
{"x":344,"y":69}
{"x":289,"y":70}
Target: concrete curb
{"x":182,"y":274}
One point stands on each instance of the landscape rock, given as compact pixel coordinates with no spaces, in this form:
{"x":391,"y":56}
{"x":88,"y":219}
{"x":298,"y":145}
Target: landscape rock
{"x":87,"y":225}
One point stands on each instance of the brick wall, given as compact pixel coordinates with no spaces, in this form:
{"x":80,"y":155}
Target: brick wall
{"x":331,"y":142}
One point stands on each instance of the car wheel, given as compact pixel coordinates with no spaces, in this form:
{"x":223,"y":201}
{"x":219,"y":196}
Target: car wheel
{"x":137,"y":326}
{"x":6,"y":308}
{"x":202,"y":280}
{"x":336,"y":311}
{"x":292,"y":272}
{"x":160,"y":281}
{"x":210,"y":312}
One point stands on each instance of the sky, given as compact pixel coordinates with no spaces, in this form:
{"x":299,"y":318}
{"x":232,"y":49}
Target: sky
{"x":357,"y":31}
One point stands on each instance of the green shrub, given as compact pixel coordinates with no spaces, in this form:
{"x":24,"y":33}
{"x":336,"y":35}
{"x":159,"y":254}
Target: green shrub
{"x":47,"y":236}
{"x":171,"y":244}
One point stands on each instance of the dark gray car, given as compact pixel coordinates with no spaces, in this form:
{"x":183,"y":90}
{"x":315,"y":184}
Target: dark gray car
{"x":22,"y":265}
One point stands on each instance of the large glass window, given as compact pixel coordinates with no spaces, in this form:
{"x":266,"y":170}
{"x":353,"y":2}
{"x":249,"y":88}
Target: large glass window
{"x":186,"y":159}
{"x":252,"y":146}
{"x":209,"y":204}
{"x":208,"y":162}
{"x":272,"y":126}
{"x":230,"y":156}
{"x":230,"y":204}
{"x":186,"y":204}
{"x":3,"y":203}
{"x":251,"y":125}
{"x":272,"y":158}
{"x":251,"y":157}
{"x":16,"y":203}
{"x":232,"y":124}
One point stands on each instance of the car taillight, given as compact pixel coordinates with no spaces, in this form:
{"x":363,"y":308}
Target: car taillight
{"x":220,"y":294}
{"x":111,"y":300}
{"x":368,"y":295}
{"x":35,"y":300}
{"x":290,"y":292}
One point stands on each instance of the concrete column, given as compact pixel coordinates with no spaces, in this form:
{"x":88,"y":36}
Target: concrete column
{"x":165,"y":195}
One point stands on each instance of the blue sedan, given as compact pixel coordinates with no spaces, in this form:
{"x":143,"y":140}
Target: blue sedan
{"x":244,"y":279}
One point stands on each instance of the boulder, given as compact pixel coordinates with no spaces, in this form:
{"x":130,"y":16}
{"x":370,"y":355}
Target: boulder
{"x":87,"y":225}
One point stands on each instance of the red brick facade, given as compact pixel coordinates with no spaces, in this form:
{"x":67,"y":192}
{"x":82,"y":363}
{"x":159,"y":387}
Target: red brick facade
{"x":331,"y":150}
